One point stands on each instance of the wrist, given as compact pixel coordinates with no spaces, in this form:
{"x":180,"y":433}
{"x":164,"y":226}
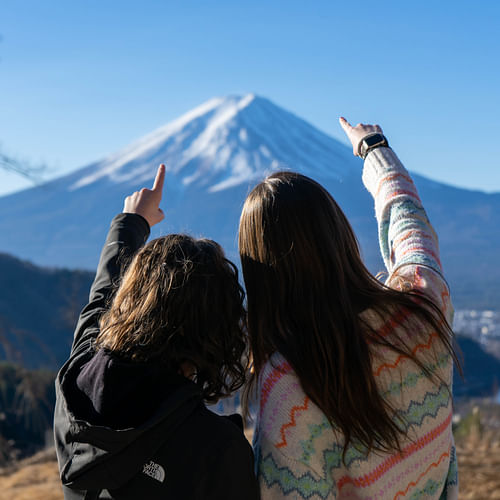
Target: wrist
{"x":370,"y":142}
{"x":139,"y":217}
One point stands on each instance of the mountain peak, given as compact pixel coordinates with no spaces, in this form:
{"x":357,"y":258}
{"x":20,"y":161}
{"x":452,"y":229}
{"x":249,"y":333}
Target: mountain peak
{"x":221,"y":143}
{"x":225,"y":108}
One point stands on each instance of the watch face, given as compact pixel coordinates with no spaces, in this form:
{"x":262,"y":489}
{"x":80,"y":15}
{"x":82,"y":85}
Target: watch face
{"x":374,"y":139}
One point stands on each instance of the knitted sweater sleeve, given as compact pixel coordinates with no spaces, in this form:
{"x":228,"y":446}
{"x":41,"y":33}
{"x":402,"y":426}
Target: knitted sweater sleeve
{"x":409,"y":246}
{"x":408,"y":243}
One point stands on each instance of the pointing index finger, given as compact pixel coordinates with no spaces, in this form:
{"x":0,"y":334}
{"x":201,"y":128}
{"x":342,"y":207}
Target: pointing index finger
{"x":345,"y":124}
{"x":159,"y":180}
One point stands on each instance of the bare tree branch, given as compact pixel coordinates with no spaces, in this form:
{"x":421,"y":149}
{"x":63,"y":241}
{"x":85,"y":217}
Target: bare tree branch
{"x":23,"y":168}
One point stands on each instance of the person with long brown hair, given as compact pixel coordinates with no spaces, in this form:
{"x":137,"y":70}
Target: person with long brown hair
{"x":163,"y":333}
{"x":353,"y":376}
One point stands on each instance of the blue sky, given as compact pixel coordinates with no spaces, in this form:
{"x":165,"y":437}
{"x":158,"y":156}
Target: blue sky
{"x":81,"y":79}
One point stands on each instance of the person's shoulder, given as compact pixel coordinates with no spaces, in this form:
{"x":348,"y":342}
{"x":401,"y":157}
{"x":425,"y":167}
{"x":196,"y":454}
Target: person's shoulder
{"x":276,"y":377}
{"x":283,"y":400}
{"x":215,"y":430}
{"x":230,"y":427}
{"x":224,"y":457}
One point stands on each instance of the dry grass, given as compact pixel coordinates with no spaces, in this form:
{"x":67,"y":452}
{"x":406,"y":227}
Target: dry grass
{"x":479,"y":466}
{"x":35,"y":478}
{"x":477,"y":437}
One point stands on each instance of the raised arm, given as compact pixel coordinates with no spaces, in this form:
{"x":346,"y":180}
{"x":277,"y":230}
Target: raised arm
{"x":408,"y":243}
{"x":128,"y":232}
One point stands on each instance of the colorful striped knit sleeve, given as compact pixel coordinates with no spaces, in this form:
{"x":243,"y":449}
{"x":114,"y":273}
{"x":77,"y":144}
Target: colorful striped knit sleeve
{"x":408,"y":243}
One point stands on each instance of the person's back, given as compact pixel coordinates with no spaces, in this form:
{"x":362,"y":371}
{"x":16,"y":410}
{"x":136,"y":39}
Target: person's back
{"x":311,"y":460}
{"x":130,"y":419}
{"x":354,"y":378}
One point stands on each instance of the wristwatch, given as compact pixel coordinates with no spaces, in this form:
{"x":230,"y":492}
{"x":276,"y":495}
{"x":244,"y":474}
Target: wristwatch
{"x":371,"y":141}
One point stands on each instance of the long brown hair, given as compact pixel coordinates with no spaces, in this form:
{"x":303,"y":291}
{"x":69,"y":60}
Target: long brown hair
{"x":180,"y":302}
{"x":306,"y":289}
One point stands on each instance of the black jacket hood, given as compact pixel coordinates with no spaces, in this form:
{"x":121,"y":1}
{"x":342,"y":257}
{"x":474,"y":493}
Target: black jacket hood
{"x":100,"y":457}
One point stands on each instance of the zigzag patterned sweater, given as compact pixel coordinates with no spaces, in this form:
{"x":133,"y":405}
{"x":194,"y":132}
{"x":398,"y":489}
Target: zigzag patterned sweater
{"x":298,"y":454}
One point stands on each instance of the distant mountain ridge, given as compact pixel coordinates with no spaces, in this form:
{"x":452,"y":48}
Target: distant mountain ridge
{"x":214,"y":154}
{"x":38,"y":312}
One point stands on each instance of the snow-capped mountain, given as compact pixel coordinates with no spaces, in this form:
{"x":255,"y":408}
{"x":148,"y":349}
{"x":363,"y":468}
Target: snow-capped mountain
{"x":221,"y":144}
{"x":214,"y":154}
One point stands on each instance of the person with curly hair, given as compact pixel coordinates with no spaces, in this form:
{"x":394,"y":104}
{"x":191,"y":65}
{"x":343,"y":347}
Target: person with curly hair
{"x":162,"y":334}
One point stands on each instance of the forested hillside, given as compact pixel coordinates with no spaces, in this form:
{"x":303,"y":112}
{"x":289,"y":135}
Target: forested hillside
{"x":26,"y":410}
{"x":38,"y":309}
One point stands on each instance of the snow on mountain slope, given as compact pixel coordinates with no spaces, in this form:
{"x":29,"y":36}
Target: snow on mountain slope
{"x":222,"y":143}
{"x":214,"y":154}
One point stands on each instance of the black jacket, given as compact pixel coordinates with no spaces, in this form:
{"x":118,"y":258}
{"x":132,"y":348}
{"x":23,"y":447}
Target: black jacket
{"x":128,"y":430}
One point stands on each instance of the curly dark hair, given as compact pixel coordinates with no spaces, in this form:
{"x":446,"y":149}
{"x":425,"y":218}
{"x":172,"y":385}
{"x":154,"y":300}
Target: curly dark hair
{"x":180,"y":302}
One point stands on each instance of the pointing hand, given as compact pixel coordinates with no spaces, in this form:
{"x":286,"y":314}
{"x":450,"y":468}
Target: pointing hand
{"x":146,"y":202}
{"x":356,"y":134}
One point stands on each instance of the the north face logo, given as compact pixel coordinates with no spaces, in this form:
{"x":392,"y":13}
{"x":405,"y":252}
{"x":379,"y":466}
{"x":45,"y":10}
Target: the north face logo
{"x":154,"y":470}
